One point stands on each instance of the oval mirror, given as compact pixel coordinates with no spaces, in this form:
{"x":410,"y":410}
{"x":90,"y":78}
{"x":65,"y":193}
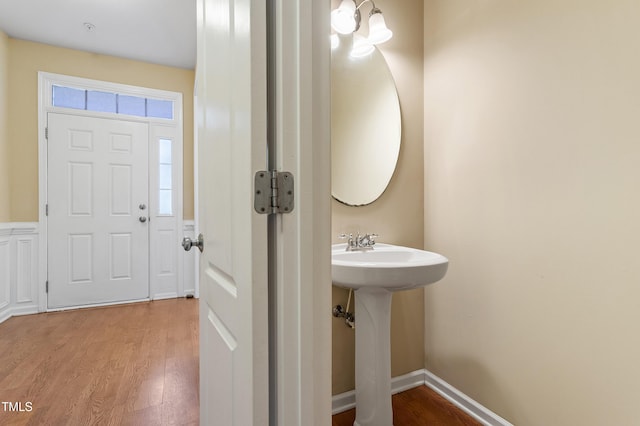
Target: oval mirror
{"x":365,"y":125}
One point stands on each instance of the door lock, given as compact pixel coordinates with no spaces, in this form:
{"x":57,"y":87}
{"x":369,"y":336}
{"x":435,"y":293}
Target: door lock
{"x":187,"y":243}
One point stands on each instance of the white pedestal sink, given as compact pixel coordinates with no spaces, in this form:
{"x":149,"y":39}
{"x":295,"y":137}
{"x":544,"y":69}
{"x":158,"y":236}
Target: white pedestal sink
{"x":374,"y":275}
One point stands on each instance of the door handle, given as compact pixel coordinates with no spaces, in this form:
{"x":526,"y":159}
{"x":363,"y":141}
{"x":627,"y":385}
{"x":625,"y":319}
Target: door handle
{"x":187,"y":243}
{"x":142,"y":219}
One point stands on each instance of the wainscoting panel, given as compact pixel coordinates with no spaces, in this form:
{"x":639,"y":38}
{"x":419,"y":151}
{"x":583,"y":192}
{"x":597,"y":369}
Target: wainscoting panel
{"x":168,"y":267}
{"x":5,"y":276}
{"x":190,"y":261}
{"x":165,"y":277}
{"x":18,"y":269}
{"x":26,"y":270}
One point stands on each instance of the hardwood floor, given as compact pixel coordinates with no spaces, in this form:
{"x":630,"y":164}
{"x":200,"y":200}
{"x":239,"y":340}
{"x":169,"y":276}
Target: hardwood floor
{"x":419,"y":406}
{"x":124,"y":365}
{"x":133,"y":365}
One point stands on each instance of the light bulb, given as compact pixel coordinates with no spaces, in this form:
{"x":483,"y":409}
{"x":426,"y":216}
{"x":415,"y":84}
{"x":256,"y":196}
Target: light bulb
{"x":343,"y":19}
{"x":361,"y":47}
{"x":378,"y":31}
{"x":335,"y":41}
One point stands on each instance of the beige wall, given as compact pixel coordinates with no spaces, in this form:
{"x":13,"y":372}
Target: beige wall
{"x":27,"y":58}
{"x":532,"y":176}
{"x":397,"y":216}
{"x":5,"y":194}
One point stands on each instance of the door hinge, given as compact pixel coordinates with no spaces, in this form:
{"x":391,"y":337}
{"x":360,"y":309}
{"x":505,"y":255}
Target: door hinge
{"x":46,"y":287}
{"x":46,"y":209}
{"x":273,"y":192}
{"x":46,"y":133}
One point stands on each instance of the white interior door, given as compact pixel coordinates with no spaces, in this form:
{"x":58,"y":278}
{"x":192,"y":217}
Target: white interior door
{"x":98,"y":249}
{"x":231,"y":118}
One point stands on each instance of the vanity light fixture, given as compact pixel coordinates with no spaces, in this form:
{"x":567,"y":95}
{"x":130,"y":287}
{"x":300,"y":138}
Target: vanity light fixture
{"x":346,"y":20}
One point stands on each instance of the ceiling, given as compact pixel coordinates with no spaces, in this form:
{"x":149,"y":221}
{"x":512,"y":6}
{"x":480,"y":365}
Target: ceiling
{"x":156,"y":31}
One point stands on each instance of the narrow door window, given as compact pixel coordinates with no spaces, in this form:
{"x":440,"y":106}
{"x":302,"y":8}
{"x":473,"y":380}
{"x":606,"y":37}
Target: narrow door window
{"x":165,"y":188}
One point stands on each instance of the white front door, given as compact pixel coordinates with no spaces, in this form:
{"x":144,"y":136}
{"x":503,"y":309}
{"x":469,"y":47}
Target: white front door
{"x":98,"y":232}
{"x":231,"y":118}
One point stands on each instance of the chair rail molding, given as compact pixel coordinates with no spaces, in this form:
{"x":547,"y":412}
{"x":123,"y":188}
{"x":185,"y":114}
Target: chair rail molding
{"x":19,"y":243}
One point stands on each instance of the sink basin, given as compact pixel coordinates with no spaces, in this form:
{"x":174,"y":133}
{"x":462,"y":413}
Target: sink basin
{"x":387,"y":266}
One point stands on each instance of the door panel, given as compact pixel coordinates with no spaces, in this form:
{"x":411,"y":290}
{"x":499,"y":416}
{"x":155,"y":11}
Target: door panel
{"x":120,"y":189}
{"x":80,"y":191}
{"x":120,"y":256}
{"x":81,"y":257}
{"x":98,"y":248}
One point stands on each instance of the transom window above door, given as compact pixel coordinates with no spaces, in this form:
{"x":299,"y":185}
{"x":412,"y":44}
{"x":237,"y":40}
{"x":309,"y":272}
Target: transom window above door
{"x":117,"y":103}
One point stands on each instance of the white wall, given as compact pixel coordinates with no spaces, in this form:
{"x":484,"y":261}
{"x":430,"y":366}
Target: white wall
{"x":532,"y":182}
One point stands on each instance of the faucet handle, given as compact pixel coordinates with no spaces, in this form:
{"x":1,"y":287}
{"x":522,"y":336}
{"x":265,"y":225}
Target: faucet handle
{"x":351,"y":242}
{"x":368,"y":240}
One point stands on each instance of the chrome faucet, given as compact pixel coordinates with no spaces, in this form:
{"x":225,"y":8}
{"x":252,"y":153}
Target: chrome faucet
{"x":359,"y":242}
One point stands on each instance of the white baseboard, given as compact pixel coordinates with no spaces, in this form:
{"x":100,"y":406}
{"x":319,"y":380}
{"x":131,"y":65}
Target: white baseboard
{"x":5,"y":315}
{"x":407,"y":381}
{"x":17,"y":311}
{"x":343,"y":402}
{"x":464,"y":402}
{"x":162,"y":296}
{"x":97,"y":305}
{"x":346,"y":401}
{"x":24,"y":310}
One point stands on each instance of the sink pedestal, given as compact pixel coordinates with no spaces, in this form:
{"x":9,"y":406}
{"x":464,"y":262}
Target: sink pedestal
{"x":373,"y":357}
{"x":375,"y":275}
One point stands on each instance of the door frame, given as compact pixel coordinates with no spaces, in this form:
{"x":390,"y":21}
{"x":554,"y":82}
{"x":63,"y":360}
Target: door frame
{"x":158,"y":128}
{"x":302,"y":329}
